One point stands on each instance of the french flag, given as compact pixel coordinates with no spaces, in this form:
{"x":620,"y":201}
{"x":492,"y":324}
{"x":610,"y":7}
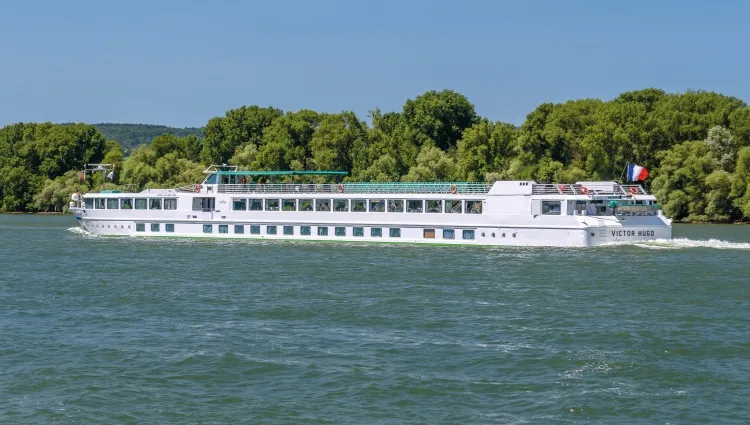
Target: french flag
{"x":636,"y":173}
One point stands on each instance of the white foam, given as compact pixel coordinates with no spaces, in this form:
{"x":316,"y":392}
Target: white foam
{"x":682,"y":243}
{"x":81,"y":232}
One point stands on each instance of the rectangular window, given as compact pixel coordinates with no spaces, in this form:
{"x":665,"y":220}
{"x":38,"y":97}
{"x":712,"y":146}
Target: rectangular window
{"x":255,"y":204}
{"x":141,"y":204}
{"x":322,"y":231}
{"x":223,"y":228}
{"x":272,"y":204}
{"x":453,"y":206}
{"x":154,"y":227}
{"x":100,"y":203}
{"x":341,"y":205}
{"x":358,"y":231}
{"x":88,"y":203}
{"x":340,"y":231}
{"x":395,"y":205}
{"x":428,"y":233}
{"x":414,"y":206}
{"x":254,"y":229}
{"x":126,"y":204}
{"x":288,"y":230}
{"x":376,"y":232}
{"x":377,"y":205}
{"x":208,"y":228}
{"x":434,"y":206}
{"x":169,"y":228}
{"x":449,"y":234}
{"x":239,"y":229}
{"x":305,"y":205}
{"x":270,"y":230}
{"x":304,"y":230}
{"x":322,"y":205}
{"x":154,"y":204}
{"x":140,"y":227}
{"x":239,"y":204}
{"x":289,"y":205}
{"x":468,"y":234}
{"x":112,"y":203}
{"x":170,"y":203}
{"x":473,"y":207}
{"x":550,"y":207}
{"x":359,"y":205}
{"x":394,"y":232}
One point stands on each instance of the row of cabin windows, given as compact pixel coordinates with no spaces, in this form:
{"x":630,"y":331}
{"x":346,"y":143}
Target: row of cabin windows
{"x":155,"y":227}
{"x":131,"y":203}
{"x":360,"y":205}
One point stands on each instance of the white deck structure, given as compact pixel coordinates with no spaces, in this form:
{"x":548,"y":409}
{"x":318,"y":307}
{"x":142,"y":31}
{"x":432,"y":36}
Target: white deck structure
{"x":521,"y":213}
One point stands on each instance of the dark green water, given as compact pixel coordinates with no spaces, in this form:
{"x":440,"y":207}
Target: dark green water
{"x":107,"y":330}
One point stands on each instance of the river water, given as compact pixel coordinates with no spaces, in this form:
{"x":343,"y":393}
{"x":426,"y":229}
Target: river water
{"x":181,"y":331}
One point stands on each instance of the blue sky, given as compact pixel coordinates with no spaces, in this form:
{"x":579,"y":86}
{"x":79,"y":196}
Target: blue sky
{"x":180,"y":63}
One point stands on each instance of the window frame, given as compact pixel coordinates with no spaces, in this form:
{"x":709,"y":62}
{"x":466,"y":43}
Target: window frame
{"x":155,"y":227}
{"x":394,"y":232}
{"x":288,"y":230}
{"x":358,"y":231}
{"x":208,"y":228}
{"x":100,"y":203}
{"x":305,"y":230}
{"x":338,"y":202}
{"x":288,"y":202}
{"x":255,"y":204}
{"x":240,"y":227}
{"x":271,"y":229}
{"x":420,"y":209}
{"x":171,"y":202}
{"x":322,"y":230}
{"x":116,"y":202}
{"x":546,"y":203}
{"x":468,"y":232}
{"x":224,"y":229}
{"x":393,"y":203}
{"x":339,"y":231}
{"x":154,"y":201}
{"x":169,"y":227}
{"x":436,"y":208}
{"x":453,"y":202}
{"x":302,"y":204}
{"x":449,"y":234}
{"x":376,"y":232}
{"x":267,"y":202}
{"x":242,"y":202}
{"x":322,"y":201}
{"x":88,"y":203}
{"x":427,"y":232}
{"x":473,"y":202}
{"x":376,"y":205}
{"x":143,"y":202}
{"x":255,"y":229}
{"x":359,"y":205}
{"x":140,"y":227}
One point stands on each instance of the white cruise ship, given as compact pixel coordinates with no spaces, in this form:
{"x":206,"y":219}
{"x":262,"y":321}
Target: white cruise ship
{"x":239,"y":204}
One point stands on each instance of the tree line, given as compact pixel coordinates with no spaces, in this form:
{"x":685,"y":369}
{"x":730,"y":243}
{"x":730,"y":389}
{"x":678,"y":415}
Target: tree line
{"x":696,"y":145}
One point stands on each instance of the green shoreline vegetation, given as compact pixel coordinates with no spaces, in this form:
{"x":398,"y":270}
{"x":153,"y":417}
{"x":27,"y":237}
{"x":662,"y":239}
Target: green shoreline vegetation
{"x":695,"y":144}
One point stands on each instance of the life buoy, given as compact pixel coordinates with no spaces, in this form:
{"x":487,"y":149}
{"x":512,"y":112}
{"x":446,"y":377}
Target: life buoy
{"x":341,"y":188}
{"x":453,"y":189}
{"x":633,"y":190}
{"x":563,"y":188}
{"x":585,"y":190}
{"x":197,"y":188}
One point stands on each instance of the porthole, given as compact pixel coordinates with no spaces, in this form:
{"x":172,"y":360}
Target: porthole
{"x":503,"y":235}
{"x":109,"y":226}
{"x":592,"y":233}
{"x":128,"y":226}
{"x":514,"y":235}
{"x":482,"y":234}
{"x":493,"y":234}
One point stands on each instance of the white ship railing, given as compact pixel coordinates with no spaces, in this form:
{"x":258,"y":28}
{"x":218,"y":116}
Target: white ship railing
{"x":363,"y":188}
{"x":579,"y":189}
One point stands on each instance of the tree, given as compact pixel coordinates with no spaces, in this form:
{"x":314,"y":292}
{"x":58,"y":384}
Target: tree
{"x":239,"y":127}
{"x":485,"y":147}
{"x":440,"y":117}
{"x":432,"y":165}
{"x":723,"y":146}
{"x":336,"y":141}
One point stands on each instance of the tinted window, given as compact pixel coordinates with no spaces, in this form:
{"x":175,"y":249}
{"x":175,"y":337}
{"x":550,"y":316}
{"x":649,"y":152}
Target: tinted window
{"x":88,"y":203}
{"x":395,"y":205}
{"x":170,"y":204}
{"x":239,"y":204}
{"x":154,"y":227}
{"x":272,"y":204}
{"x":358,"y":231}
{"x":99,"y":202}
{"x":377,"y":205}
{"x":414,"y":205}
{"x":169,"y":228}
{"x":271,"y":230}
{"x":322,"y":231}
{"x":341,"y":205}
{"x":289,"y":205}
{"x":223,"y":228}
{"x":394,"y":232}
{"x":322,"y":205}
{"x":468,"y":234}
{"x":154,"y":204}
{"x":359,"y":205}
{"x":140,"y":227}
{"x":473,"y":207}
{"x":340,"y":231}
{"x":256,"y":204}
{"x":305,"y":205}
{"x":112,"y":203}
{"x":255,"y":229}
{"x":208,"y":228}
{"x":140,"y":204}
{"x":453,"y":206}
{"x":304,"y":230}
{"x":434,"y":206}
{"x":239,"y":229}
{"x":376,"y":232}
{"x":449,"y":234}
{"x":126,"y":204}
{"x":288,"y":230}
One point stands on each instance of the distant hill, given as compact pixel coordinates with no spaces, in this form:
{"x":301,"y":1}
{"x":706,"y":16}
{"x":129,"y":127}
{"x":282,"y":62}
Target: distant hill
{"x":131,"y":135}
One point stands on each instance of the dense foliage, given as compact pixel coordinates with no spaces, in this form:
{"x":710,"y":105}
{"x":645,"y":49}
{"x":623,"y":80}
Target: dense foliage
{"x":696,"y":145}
{"x":129,"y":136}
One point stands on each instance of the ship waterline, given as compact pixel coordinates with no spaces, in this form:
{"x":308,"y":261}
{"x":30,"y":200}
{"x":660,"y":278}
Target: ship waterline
{"x":521,"y":213}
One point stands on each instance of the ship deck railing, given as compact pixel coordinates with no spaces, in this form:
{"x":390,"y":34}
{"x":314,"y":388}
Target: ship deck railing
{"x":461,"y":188}
{"x":596,"y":190}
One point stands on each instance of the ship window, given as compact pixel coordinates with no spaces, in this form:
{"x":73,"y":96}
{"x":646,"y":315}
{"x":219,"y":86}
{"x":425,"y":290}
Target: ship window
{"x":434,"y":206}
{"x":170,"y":203}
{"x":358,"y":231}
{"x":112,"y":203}
{"x":154,"y":227}
{"x":126,"y":204}
{"x":255,"y":204}
{"x":155,"y":204}
{"x":414,"y":206}
{"x":140,"y":227}
{"x":340,"y":231}
{"x":322,"y":231}
{"x":223,"y":228}
{"x":211,"y":179}
{"x":305,"y":205}
{"x":473,"y":207}
{"x":550,"y":207}
{"x":359,"y":205}
{"x":88,"y":203}
{"x":289,"y":205}
{"x":304,"y":230}
{"x":468,"y":234}
{"x":169,"y":228}
{"x":377,"y":205}
{"x":396,"y":205}
{"x":239,"y":229}
{"x":239,"y":204}
{"x":376,"y":232}
{"x":272,"y":204}
{"x":208,"y":228}
{"x":271,"y":230}
{"x":99,"y":203}
{"x":449,"y":234}
{"x":341,"y":205}
{"x":288,"y":230}
{"x":322,"y":205}
{"x":429,"y":233}
{"x":394,"y":232}
{"x":453,"y":206}
{"x":254,"y":229}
